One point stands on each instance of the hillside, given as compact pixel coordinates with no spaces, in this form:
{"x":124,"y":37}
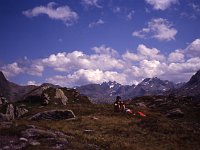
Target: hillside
{"x":15,"y":93}
{"x":191,"y":88}
{"x":98,"y":127}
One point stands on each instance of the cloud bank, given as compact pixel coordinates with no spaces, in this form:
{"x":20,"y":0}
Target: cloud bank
{"x":106,"y":64}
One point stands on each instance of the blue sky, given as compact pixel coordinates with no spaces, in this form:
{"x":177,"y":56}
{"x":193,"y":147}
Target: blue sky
{"x":76,"y":42}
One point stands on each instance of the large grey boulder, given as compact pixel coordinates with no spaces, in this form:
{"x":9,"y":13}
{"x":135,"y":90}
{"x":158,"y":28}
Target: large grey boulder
{"x":53,"y":115}
{"x":61,"y":96}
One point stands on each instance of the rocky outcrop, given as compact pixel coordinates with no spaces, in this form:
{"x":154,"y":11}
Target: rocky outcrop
{"x":61,"y":96}
{"x":20,"y":111}
{"x":3,"y":100}
{"x":34,"y":136}
{"x":10,"y":111}
{"x":191,"y":88}
{"x":53,"y":115}
{"x":13,"y":112}
{"x":45,"y":99}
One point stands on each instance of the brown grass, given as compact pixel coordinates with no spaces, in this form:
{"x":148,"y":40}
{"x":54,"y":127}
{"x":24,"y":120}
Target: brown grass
{"x":117,"y":130}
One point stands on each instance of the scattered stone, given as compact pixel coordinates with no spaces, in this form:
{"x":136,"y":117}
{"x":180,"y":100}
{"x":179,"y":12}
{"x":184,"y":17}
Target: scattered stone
{"x":22,"y":105}
{"x":141,"y":105}
{"x":152,"y":106}
{"x":34,"y":143}
{"x":88,"y":131}
{"x":23,"y":139}
{"x":6,"y":147}
{"x":175,"y":113}
{"x":37,"y":133}
{"x":20,"y":111}
{"x":45,"y":99}
{"x":95,"y":118}
{"x":10,"y":111}
{"x":4,"y":117}
{"x":159,"y":100}
{"x":53,"y":115}
{"x":3,"y":100}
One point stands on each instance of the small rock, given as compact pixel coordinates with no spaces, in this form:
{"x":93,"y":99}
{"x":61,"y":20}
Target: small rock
{"x":152,"y":106}
{"x":23,"y":139}
{"x":95,"y":118}
{"x":10,"y":111}
{"x":88,"y":131}
{"x":175,"y":113}
{"x":6,"y":147}
{"x":34,"y":143}
{"x":5,"y":117}
{"x":141,"y":105}
{"x":20,"y":111}
{"x":158,"y":100}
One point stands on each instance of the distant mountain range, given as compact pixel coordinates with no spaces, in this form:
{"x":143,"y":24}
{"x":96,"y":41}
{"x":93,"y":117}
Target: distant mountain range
{"x":107,"y":91}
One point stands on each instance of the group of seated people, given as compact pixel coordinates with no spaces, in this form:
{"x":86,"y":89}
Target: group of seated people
{"x":119,"y":106}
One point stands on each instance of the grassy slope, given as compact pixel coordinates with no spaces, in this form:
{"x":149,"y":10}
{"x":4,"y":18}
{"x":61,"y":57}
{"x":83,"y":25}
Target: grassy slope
{"x":115,"y":130}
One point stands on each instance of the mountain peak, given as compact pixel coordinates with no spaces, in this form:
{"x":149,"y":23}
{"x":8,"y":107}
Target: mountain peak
{"x":195,"y":79}
{"x":2,"y":77}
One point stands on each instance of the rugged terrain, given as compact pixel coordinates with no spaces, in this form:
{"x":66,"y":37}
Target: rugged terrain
{"x":96,"y":126}
{"x":54,"y":117}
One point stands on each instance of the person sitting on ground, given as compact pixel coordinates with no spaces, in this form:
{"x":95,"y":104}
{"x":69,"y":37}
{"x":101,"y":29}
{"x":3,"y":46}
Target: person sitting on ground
{"x":122,"y":106}
{"x":117,"y":104}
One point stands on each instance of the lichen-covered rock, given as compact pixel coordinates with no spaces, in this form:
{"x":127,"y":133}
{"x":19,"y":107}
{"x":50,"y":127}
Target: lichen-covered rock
{"x":20,"y":111}
{"x":10,"y":111}
{"x":61,"y":96}
{"x":5,"y":117}
{"x":45,"y":99}
{"x":3,"y":100}
{"x":53,"y":115}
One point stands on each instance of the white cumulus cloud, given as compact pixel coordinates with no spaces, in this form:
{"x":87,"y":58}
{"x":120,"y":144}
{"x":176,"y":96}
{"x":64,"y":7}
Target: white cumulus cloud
{"x":161,"y":4}
{"x":63,"y":13}
{"x":193,"y":49}
{"x":89,"y":3}
{"x":130,"y":15}
{"x":159,"y":28}
{"x":143,"y":52}
{"x":106,"y":64}
{"x":96,"y":23}
{"x":12,"y":69}
{"x":176,"y":56}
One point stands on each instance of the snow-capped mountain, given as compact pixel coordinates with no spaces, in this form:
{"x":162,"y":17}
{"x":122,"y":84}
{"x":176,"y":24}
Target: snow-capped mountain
{"x":107,"y":91}
{"x":154,"y":86}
